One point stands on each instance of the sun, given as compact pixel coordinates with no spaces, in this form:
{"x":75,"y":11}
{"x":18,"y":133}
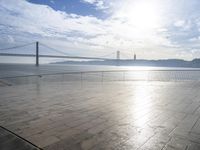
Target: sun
{"x":143,"y":14}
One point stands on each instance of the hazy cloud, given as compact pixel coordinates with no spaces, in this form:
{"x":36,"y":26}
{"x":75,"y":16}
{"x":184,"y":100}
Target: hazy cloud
{"x":144,"y":27}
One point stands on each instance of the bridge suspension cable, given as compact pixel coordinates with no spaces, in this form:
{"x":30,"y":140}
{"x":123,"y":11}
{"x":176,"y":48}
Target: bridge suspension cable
{"x":126,"y":56}
{"x":53,"y":49}
{"x":67,"y":54}
{"x":107,"y":54}
{"x":14,"y":47}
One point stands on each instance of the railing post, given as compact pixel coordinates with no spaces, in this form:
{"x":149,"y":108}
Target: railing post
{"x":81,"y":76}
{"x":123,"y":75}
{"x":37,"y":54}
{"x":102,"y":74}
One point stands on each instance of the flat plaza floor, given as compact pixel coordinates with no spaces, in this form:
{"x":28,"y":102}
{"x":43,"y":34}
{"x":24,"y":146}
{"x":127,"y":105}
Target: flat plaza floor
{"x":119,"y":115}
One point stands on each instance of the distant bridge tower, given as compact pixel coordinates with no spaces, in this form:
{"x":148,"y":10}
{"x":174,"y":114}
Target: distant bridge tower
{"x":135,"y":57}
{"x":37,"y":54}
{"x":118,"y":55}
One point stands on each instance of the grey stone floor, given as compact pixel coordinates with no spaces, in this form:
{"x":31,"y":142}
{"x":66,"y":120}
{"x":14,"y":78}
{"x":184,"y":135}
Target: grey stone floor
{"x":10,"y":141}
{"x":102,"y":116}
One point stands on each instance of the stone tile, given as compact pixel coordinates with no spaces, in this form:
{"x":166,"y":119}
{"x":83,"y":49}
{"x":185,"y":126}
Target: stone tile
{"x":113,"y":115}
{"x":9,"y":141}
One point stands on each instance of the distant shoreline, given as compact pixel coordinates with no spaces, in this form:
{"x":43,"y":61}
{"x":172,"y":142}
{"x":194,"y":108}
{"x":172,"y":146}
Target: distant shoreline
{"x":148,"y":63}
{"x":174,"y":63}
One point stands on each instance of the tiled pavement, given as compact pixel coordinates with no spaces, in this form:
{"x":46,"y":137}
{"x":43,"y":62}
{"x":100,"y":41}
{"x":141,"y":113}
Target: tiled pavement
{"x":10,"y":141}
{"x":100,"y":116}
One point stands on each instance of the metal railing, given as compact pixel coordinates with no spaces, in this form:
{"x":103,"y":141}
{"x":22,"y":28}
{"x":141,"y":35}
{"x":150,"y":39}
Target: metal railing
{"x":107,"y":76}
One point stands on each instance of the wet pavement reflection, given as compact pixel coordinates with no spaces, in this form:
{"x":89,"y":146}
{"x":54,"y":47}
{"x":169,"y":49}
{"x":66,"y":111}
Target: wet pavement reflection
{"x":121,"y":115}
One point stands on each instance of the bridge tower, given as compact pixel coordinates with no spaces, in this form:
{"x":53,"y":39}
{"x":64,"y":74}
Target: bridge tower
{"x":118,"y":55}
{"x":135,"y":57}
{"x":37,"y":54}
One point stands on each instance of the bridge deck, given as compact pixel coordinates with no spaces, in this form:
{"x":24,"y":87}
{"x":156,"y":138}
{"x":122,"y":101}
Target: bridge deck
{"x":109,"y":115}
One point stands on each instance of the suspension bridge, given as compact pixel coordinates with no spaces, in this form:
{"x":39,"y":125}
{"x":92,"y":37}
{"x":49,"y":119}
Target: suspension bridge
{"x":62,"y":54}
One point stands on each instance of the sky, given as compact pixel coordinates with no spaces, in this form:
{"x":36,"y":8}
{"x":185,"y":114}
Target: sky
{"x":153,"y":29}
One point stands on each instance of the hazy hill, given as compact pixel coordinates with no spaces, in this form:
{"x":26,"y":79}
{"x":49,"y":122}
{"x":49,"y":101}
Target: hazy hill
{"x":141,"y":62}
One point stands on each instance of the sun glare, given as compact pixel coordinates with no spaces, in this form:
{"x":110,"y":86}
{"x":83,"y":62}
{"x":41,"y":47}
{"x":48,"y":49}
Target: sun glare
{"x":143,"y":15}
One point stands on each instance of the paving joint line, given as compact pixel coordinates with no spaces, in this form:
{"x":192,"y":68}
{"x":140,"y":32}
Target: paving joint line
{"x":20,"y":137}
